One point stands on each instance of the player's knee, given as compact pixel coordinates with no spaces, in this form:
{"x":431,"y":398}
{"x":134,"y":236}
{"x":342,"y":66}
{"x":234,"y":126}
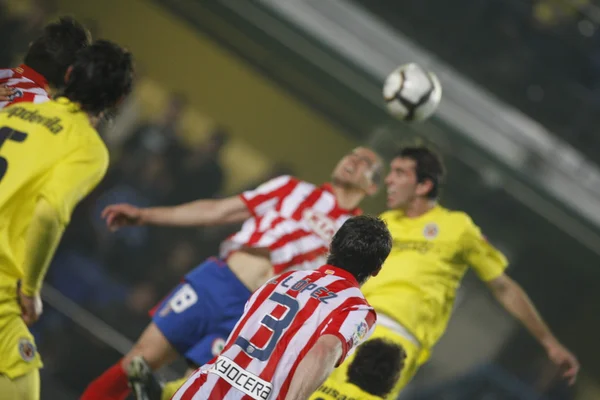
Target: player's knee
{"x":153,"y":346}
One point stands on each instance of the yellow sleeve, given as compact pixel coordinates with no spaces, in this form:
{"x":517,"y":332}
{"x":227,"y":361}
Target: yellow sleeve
{"x":43,"y":235}
{"x":74,"y":178}
{"x":70,"y":180}
{"x":487,"y":261}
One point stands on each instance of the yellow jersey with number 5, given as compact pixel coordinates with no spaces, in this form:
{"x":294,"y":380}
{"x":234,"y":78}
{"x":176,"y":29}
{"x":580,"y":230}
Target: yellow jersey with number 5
{"x":430,"y":255}
{"x":49,"y":151}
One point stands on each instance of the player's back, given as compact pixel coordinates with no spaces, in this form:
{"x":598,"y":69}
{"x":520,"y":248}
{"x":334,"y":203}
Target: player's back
{"x":37,"y":143}
{"x":281,"y":323}
{"x":30,"y":87}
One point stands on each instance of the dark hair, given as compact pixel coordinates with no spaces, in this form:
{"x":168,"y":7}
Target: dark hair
{"x":52,"y":53}
{"x":429,"y":166}
{"x":360,"y":246}
{"x":102,"y":75}
{"x":377,"y":366}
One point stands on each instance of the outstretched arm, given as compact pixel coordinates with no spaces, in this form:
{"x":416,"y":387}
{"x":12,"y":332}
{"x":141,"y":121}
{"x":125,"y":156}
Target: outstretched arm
{"x":514,"y":299}
{"x":196,"y":213}
{"x":316,"y":366}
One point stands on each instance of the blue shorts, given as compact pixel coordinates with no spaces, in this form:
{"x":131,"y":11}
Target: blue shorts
{"x":200,"y":313}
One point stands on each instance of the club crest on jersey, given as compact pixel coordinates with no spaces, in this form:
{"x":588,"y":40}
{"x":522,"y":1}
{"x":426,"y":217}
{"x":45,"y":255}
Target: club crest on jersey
{"x":217,"y":346}
{"x":431,"y":231}
{"x":320,"y":224}
{"x":16,"y":95}
{"x":360,"y":333}
{"x":26,"y":349}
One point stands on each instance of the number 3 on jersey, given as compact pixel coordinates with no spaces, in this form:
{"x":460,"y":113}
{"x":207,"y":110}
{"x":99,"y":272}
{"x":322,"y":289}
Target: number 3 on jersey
{"x":8,"y":134}
{"x":277,"y":326}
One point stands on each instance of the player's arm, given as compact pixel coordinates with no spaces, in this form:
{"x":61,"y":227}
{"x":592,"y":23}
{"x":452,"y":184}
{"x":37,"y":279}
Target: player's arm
{"x":490,"y":264}
{"x":514,"y":299}
{"x":315,"y":367}
{"x":69,"y":182}
{"x":196,"y":213}
{"x":201,"y":212}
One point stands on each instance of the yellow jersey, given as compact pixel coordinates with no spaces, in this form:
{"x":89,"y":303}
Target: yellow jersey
{"x":332,"y":390}
{"x":430,"y":255}
{"x":49,"y":151}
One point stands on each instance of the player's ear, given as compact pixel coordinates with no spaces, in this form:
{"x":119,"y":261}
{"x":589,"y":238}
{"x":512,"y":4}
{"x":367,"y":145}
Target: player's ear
{"x":424,"y":187}
{"x":376,"y":272}
{"x":68,"y":73}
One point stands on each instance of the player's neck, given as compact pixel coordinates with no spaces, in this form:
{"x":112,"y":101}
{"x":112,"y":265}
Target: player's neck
{"x":94,"y":120}
{"x":419,"y":207}
{"x":347,"y":198}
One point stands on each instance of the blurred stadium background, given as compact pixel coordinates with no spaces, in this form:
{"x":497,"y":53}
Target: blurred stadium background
{"x":231,"y":92}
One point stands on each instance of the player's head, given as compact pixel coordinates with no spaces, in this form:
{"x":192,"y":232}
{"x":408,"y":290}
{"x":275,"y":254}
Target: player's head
{"x":415,"y":172}
{"x":361,"y":169}
{"x":377,"y":366}
{"x":360,"y":247}
{"x":54,"y":51}
{"x":100,"y":77}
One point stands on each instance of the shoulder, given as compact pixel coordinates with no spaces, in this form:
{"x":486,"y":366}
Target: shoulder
{"x":278,"y":183}
{"x":460,"y":220}
{"x":390,"y":215}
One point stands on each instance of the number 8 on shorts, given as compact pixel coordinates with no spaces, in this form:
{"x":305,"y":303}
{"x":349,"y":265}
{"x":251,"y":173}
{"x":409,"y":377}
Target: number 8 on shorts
{"x":184,"y":298}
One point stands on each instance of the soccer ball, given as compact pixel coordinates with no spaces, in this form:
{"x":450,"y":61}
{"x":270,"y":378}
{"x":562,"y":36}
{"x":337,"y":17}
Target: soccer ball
{"x":412,"y":93}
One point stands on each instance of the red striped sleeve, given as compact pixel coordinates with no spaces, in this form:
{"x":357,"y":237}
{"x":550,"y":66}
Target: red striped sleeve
{"x":351,"y":326}
{"x":260,"y":198}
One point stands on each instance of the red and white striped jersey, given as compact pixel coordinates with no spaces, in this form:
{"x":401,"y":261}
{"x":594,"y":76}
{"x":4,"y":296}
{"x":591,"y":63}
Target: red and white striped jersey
{"x":295,"y":220}
{"x":30,"y":86}
{"x":282,"y":321}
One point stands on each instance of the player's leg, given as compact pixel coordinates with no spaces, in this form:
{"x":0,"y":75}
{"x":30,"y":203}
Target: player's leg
{"x":20,"y":361}
{"x":24,"y":387}
{"x":227,"y":297}
{"x":179,"y":319}
{"x":206,"y":349}
{"x":113,"y":384}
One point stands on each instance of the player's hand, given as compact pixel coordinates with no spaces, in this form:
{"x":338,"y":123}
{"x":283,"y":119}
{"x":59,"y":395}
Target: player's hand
{"x":120,"y":215}
{"x":565,"y":360}
{"x":31,"y":307}
{"x":6,"y":92}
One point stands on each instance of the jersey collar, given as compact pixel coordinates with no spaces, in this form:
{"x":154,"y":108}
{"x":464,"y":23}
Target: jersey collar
{"x":32,"y":75}
{"x":328,"y":187}
{"x":400,"y":213}
{"x":342,"y":273}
